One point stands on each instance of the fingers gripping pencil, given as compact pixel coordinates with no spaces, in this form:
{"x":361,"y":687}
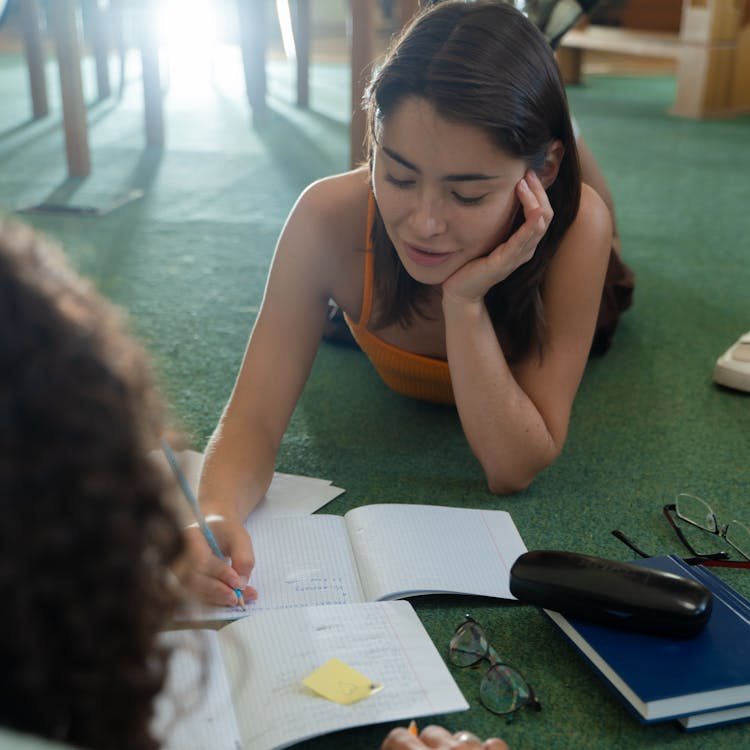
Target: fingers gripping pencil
{"x":193,"y":502}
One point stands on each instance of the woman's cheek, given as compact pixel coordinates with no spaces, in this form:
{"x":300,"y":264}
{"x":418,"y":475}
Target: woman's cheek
{"x":500,"y":224}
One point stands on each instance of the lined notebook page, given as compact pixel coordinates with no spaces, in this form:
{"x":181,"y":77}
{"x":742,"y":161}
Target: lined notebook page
{"x":267,"y":657}
{"x":300,"y":561}
{"x":195,"y":710}
{"x":402,"y":550}
{"x":303,"y":561}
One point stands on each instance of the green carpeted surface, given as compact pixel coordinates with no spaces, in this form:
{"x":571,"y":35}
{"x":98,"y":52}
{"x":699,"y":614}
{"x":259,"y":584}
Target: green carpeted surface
{"x":189,"y":259}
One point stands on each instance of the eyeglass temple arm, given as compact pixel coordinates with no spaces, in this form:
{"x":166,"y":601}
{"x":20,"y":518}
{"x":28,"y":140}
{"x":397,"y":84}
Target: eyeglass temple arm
{"x":717,"y":559}
{"x":619,"y":535}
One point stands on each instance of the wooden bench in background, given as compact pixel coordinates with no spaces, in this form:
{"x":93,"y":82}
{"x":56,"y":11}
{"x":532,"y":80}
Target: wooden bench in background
{"x":711,"y":47}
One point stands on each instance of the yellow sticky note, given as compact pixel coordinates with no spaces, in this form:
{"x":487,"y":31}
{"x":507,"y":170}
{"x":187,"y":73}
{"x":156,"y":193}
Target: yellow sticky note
{"x":340,"y":683}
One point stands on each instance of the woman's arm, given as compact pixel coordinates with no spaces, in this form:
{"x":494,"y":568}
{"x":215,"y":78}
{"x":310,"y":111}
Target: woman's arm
{"x":516,"y":418}
{"x":241,"y":454}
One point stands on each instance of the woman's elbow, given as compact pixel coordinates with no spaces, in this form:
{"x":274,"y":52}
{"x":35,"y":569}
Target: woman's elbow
{"x":502,"y":480}
{"x":504,"y":485}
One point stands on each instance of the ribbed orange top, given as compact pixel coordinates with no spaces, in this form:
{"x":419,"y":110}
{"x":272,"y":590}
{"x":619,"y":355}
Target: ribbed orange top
{"x":409,"y":374}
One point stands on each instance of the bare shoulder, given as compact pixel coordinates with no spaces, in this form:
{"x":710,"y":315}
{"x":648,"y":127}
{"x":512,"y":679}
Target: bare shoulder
{"x":584,"y":251}
{"x":337,"y":203}
{"x":322,"y":244}
{"x":590,"y":234}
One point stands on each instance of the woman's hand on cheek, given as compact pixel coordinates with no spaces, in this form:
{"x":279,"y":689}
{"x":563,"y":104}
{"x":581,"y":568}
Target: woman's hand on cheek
{"x":473,"y":280}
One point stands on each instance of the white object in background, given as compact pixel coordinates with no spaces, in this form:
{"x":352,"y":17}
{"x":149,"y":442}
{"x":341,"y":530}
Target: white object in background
{"x":733,"y":367}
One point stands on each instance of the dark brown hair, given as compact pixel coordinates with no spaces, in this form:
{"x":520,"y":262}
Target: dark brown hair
{"x":484,"y":64}
{"x":86,"y":537}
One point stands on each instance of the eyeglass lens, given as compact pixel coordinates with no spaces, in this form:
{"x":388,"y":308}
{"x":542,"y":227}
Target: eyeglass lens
{"x":503,"y":689}
{"x":698,"y":512}
{"x":469,"y":645}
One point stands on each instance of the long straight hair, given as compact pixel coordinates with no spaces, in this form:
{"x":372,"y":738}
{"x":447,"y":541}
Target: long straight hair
{"x":485,"y":64}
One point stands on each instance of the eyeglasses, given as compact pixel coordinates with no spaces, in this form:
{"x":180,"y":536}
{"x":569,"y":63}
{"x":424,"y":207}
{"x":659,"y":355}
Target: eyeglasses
{"x":503,"y":689}
{"x":697,"y":513}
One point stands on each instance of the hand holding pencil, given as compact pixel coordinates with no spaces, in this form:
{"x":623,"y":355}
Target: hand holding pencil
{"x":211,"y":576}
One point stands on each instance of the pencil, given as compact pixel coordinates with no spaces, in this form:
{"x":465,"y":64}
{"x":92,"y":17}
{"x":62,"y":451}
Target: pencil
{"x":413,"y":728}
{"x":190,"y":497}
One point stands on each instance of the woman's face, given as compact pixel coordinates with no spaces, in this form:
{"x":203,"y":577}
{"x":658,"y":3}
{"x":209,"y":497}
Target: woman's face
{"x":445,"y":191}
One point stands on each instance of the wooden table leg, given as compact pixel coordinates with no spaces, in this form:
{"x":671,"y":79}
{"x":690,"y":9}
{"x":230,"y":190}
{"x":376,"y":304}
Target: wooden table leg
{"x":406,"y":10}
{"x":96,"y":30}
{"x":570,"y":62}
{"x":301,"y":25}
{"x":361,"y":51}
{"x":64,"y":22}
{"x":151,"y":72}
{"x":251,"y":17}
{"x":31,"y":20}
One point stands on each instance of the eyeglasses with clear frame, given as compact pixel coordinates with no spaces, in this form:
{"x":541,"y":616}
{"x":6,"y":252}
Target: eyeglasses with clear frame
{"x":503,"y":689}
{"x":697,"y":513}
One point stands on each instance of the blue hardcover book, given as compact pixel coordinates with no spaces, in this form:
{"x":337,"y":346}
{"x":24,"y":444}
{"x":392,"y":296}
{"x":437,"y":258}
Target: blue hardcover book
{"x":706,"y":677}
{"x":715,"y":718}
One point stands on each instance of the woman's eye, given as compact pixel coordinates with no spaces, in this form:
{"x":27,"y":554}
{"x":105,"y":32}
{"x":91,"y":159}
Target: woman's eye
{"x":466,"y":200}
{"x":398,"y":183}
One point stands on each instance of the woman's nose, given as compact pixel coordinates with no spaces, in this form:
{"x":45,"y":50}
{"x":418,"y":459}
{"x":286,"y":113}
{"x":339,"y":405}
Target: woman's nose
{"x":426,"y":218}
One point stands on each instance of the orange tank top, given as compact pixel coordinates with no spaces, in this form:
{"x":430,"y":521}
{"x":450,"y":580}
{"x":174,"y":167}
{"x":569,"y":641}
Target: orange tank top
{"x":409,"y":374}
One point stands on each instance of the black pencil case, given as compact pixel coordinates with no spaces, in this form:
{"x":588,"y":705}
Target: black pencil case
{"x":611,"y":592}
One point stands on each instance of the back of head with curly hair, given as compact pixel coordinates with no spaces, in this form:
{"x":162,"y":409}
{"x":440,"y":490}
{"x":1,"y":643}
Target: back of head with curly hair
{"x":86,"y":538}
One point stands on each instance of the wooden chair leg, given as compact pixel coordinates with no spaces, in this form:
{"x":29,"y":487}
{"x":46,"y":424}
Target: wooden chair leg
{"x":570,"y":62}
{"x":361,"y":51}
{"x":116,"y":23}
{"x":251,"y":17}
{"x":96,"y":28}
{"x":31,"y":20}
{"x":151,"y":72}
{"x":406,"y":10}
{"x":63,"y":16}
{"x":301,"y":26}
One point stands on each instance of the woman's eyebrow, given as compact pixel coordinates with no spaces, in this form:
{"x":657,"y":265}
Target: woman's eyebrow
{"x":400,"y":159}
{"x":460,"y":177}
{"x":469,"y":177}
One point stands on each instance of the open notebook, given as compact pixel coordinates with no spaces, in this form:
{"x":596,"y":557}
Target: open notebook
{"x":254,"y":698}
{"x":377,"y":552}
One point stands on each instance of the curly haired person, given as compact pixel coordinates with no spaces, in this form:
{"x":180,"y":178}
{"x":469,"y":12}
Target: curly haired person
{"x":86,"y":539}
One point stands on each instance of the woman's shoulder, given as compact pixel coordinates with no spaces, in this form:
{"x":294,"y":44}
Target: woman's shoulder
{"x":338,"y":195}
{"x":590,"y":233}
{"x":587,"y":243}
{"x":331,"y":214}
{"x":593,"y":216}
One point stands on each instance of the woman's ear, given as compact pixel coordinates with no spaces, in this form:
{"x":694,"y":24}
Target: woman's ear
{"x":552,"y":161}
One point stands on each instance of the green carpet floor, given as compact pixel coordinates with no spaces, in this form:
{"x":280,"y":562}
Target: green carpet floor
{"x":188,"y":260}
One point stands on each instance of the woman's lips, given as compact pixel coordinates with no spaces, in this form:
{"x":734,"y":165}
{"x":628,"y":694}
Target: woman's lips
{"x":425,"y":257}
